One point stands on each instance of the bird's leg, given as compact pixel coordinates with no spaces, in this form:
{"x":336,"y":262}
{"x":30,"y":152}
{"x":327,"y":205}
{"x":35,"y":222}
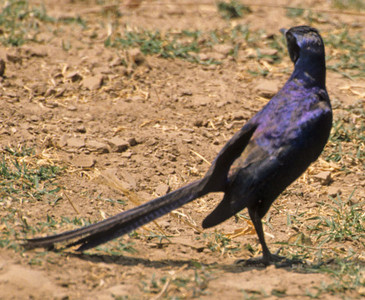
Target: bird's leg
{"x":267,"y":257}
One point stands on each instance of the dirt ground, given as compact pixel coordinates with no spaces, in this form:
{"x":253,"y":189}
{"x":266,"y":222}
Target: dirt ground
{"x":123,"y":126}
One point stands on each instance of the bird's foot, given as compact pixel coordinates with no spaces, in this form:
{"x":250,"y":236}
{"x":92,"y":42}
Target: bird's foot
{"x":267,"y":260}
{"x":261,"y":260}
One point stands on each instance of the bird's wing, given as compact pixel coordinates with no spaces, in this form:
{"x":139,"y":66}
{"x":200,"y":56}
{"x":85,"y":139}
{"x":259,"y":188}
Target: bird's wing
{"x":245,"y":177}
{"x":216,"y":177}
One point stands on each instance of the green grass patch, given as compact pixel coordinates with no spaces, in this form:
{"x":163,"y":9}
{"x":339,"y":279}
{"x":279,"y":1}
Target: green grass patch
{"x":23,"y":180}
{"x":219,"y":242}
{"x":349,"y":4}
{"x":346,"y":222}
{"x":345,"y":53}
{"x":347,"y":140}
{"x":294,"y":12}
{"x":21,"y":22}
{"x":187,"y":45}
{"x":232,"y":9}
{"x":348,"y":278}
{"x":183,"y":45}
{"x":191,"y":284}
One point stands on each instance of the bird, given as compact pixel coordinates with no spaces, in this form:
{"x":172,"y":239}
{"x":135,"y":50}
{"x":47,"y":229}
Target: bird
{"x":254,"y":167}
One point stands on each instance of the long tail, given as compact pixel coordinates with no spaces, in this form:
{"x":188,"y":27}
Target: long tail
{"x":120,"y":224}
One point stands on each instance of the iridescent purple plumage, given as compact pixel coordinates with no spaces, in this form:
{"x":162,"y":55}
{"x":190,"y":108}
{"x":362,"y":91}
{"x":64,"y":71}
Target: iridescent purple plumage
{"x":273,"y":149}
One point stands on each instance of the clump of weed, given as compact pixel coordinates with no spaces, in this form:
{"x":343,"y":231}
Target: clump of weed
{"x":233,"y":9}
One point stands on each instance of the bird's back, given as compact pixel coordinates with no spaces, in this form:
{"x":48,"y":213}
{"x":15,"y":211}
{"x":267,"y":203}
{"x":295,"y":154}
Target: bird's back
{"x":291,"y":132}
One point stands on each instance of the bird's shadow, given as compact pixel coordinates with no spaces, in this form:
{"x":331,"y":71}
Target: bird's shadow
{"x":148,"y":263}
{"x":191,"y":264}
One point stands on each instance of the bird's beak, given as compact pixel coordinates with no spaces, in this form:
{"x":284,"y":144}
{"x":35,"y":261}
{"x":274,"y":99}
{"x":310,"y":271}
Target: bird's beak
{"x":283,"y":31}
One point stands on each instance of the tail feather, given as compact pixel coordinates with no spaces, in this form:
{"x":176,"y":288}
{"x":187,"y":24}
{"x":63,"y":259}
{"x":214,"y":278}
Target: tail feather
{"x":215,"y":180}
{"x":124,"y":222}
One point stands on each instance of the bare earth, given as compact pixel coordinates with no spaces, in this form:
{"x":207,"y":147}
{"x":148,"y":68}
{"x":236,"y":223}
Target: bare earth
{"x":127,"y":126}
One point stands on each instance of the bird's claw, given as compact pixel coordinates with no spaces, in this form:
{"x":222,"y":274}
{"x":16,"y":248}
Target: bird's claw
{"x":261,"y":260}
{"x":267,"y":260}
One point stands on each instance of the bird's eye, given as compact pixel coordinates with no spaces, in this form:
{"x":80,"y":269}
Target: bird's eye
{"x":292,"y":46}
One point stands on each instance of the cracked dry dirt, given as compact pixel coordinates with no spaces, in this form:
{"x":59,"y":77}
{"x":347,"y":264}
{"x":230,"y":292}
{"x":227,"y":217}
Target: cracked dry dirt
{"x":117,"y":119}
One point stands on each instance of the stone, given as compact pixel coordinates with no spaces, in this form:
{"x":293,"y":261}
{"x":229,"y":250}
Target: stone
{"x":132,"y":142}
{"x":268,"y":51}
{"x":333,"y":191}
{"x":2,"y":67}
{"x":267,"y":88}
{"x":116,"y":62}
{"x":74,"y":76}
{"x":93,"y":82}
{"x":198,"y":123}
{"x":222,"y":103}
{"x":223,"y":49}
{"x":129,"y":181}
{"x":136,"y":56}
{"x":201,"y":101}
{"x":14,"y":58}
{"x":72,"y":108}
{"x":84,"y":161}
{"x":76,"y":142}
{"x":95,"y":146}
{"x":186,"y":92}
{"x":118,"y":144}
{"x":35,"y":51}
{"x":51,"y":104}
{"x":203,"y":56}
{"x":238,"y":116}
{"x":63,"y":141}
{"x":162,"y":189}
{"x":81,"y":128}
{"x":324,"y":177}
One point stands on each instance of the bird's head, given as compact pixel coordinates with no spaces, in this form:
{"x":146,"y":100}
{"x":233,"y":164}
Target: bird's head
{"x":306,"y":50}
{"x":303,"y":40}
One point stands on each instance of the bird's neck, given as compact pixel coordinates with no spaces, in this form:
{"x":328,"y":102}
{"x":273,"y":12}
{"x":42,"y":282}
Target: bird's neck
{"x":311,"y":69}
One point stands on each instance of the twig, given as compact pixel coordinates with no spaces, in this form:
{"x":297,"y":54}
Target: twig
{"x":201,"y":156}
{"x":73,"y":206}
{"x":164,"y":288}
